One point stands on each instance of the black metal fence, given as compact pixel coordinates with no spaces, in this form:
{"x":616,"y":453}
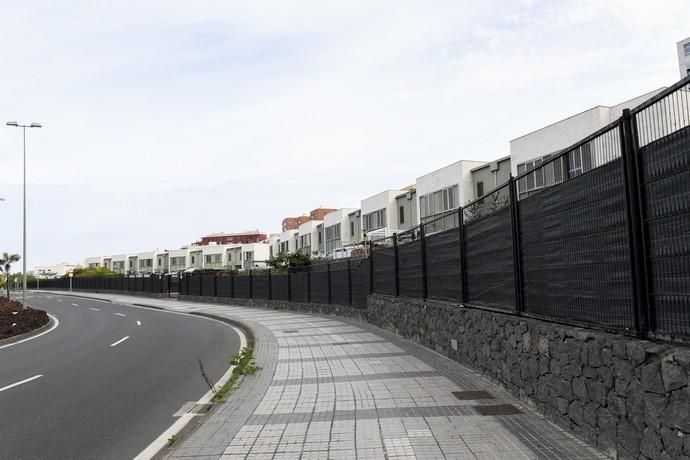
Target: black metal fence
{"x":597,"y":235}
{"x":158,"y":284}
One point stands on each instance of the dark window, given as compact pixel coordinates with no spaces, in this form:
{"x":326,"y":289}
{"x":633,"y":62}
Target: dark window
{"x":480,"y":189}
{"x":402,"y":214}
{"x":192,"y":259}
{"x":352,"y":229}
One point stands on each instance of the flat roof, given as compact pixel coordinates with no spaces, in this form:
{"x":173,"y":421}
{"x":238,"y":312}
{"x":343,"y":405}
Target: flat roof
{"x":507,"y":157}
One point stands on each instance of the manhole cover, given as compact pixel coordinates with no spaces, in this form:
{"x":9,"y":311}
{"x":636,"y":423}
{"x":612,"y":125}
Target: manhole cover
{"x":471,"y":395}
{"x":498,"y":409}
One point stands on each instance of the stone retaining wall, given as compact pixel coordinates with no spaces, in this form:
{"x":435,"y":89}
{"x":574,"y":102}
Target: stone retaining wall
{"x":628,"y":397}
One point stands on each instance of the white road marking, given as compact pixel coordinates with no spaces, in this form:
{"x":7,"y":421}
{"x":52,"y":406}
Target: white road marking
{"x":75,"y":304}
{"x":138,"y":323}
{"x":161,"y":441}
{"x":119,"y":341}
{"x":120,"y":314}
{"x":59,"y":300}
{"x":94,"y":309}
{"x":56,"y":323}
{"x":21,"y":383}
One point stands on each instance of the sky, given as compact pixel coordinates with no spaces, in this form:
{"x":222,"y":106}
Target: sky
{"x":167,"y":120}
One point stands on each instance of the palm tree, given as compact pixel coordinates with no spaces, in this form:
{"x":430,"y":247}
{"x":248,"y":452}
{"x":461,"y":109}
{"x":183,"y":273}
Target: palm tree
{"x":6,"y":262}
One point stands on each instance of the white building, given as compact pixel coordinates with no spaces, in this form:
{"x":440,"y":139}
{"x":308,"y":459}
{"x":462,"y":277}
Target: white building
{"x":338,"y":230}
{"x":93,"y":262}
{"x":54,"y":271}
{"x":444,"y":190}
{"x":310,"y":238}
{"x":274,"y":244}
{"x":178,"y":260}
{"x":289,"y":241}
{"x":684,"y":57}
{"x":379,"y":214}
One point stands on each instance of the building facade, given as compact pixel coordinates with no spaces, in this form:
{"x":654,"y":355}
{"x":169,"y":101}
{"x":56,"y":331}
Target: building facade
{"x":684,"y":57}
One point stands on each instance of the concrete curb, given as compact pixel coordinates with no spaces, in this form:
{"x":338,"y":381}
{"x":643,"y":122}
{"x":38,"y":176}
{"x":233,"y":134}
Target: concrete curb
{"x":27,"y":335}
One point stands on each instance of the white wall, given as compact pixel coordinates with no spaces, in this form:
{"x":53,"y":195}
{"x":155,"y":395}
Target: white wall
{"x":288,"y":235}
{"x":458,"y":173}
{"x":340,"y":216}
{"x":564,"y":133}
{"x":383,"y":200}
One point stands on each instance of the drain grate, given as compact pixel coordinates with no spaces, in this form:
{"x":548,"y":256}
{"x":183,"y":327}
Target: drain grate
{"x":472,"y":395}
{"x":290,"y":332}
{"x":498,"y":409}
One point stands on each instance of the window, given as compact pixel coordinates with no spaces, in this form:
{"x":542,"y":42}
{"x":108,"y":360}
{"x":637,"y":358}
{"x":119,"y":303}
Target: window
{"x":686,"y":49}
{"x":402,"y":215}
{"x":439,"y":201}
{"x":352,"y":229}
{"x":480,"y":189}
{"x":192,"y":259}
{"x":375,"y":220}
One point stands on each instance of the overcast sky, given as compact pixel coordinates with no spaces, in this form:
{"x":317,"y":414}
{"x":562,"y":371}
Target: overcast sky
{"x":167,"y":120}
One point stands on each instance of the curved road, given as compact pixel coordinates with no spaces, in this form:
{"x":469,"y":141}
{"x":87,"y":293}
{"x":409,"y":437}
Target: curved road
{"x":99,"y":396}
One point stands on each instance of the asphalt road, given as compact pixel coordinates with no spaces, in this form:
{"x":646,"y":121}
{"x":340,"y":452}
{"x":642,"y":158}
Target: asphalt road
{"x":100,"y":396}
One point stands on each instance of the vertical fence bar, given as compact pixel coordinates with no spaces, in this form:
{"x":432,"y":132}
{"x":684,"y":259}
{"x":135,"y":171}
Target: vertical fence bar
{"x":251,"y":284}
{"x":461,"y":248}
{"x":232,"y":284}
{"x":371,"y":267}
{"x":517,"y":257}
{"x":215,"y":284}
{"x":396,"y":264}
{"x":636,"y":238}
{"x":270,"y":285}
{"x":201,"y":284}
{"x":422,"y":243}
{"x":328,"y":277}
{"x":349,"y":282}
{"x":186,"y":279}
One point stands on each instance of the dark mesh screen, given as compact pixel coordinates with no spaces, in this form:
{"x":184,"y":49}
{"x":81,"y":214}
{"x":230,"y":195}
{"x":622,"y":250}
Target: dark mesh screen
{"x":360,"y":282}
{"x":279,"y":287}
{"x":225,"y":286}
{"x":410,"y":269}
{"x":319,"y":283}
{"x":384,"y":271}
{"x":208,"y":284}
{"x":575,"y":252}
{"x":298,"y":284}
{"x":443,"y":266}
{"x":260,"y":287}
{"x":489,"y":260}
{"x":242,"y":286}
{"x":666,"y":186}
{"x":340,"y":293}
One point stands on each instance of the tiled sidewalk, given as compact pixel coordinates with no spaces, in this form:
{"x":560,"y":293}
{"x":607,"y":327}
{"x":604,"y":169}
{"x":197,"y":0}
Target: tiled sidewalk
{"x":334,"y":389}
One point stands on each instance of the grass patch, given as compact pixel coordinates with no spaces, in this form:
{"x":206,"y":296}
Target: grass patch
{"x":244,"y":365}
{"x":172,"y":440}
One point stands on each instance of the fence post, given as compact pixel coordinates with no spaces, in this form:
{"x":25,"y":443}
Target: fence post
{"x":201,"y":284}
{"x":396,"y":265}
{"x":422,"y":245}
{"x":270,"y":285}
{"x":349,"y":282}
{"x":215,"y":284}
{"x":328,"y":277}
{"x":289,"y":275}
{"x":517,"y":256}
{"x":232,"y":284}
{"x":251,"y":284}
{"x":371,"y":267}
{"x":637,"y":241}
{"x":186,"y":279}
{"x":461,"y":247}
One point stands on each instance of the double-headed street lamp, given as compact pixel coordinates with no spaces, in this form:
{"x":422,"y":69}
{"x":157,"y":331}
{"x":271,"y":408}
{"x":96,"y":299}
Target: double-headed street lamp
{"x":17,"y":125}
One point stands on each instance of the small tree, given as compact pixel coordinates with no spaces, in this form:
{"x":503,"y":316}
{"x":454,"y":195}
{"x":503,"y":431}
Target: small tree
{"x":6,"y":262}
{"x":98,"y":272}
{"x":285,"y":260}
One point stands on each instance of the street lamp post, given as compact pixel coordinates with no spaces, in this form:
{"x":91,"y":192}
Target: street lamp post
{"x":17,"y":125}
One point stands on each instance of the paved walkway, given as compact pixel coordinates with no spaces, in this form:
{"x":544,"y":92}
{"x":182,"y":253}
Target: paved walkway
{"x":334,"y":389}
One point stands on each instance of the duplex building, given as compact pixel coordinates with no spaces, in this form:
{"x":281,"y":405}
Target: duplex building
{"x":528,"y":152}
{"x":310,"y":238}
{"x":338,"y":231}
{"x":380,"y":215}
{"x":442,"y":191}
{"x":249,"y":236}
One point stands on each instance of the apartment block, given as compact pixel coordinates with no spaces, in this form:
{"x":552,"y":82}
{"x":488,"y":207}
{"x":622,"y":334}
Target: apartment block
{"x":249,"y":236}
{"x":310,"y":238}
{"x":442,"y":191}
{"x":293,"y":223}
